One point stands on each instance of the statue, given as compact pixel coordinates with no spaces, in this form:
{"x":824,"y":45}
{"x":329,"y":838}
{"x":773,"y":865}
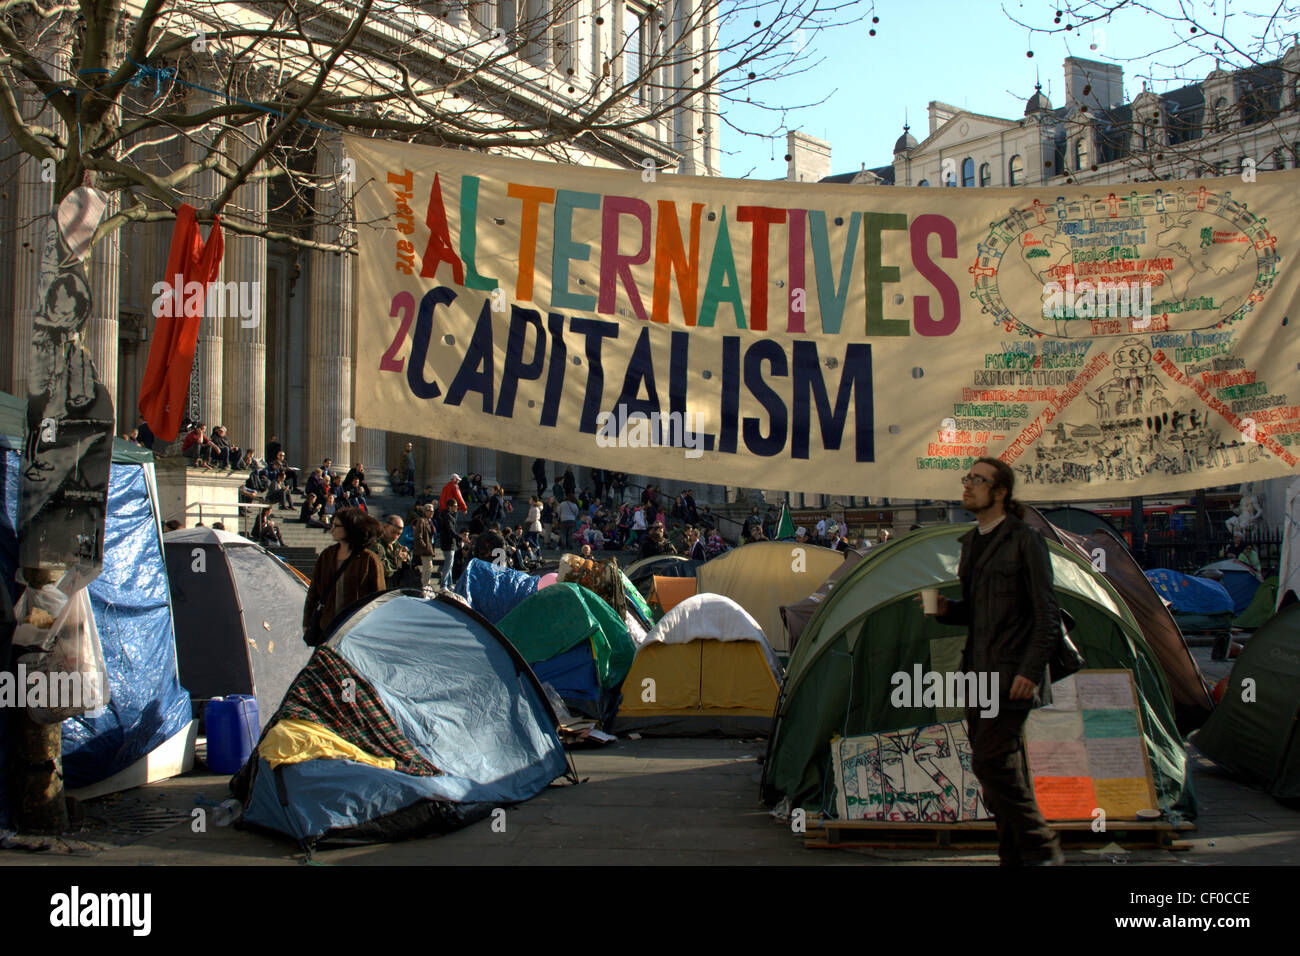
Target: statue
{"x":1247,"y":513}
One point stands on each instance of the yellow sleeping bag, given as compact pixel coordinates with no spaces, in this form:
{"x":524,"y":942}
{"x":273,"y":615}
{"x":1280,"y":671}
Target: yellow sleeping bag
{"x":293,"y":741}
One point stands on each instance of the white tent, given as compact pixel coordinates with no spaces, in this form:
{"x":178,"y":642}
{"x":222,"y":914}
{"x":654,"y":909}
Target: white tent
{"x":710,"y":617}
{"x":705,"y":668}
{"x":1288,"y":572}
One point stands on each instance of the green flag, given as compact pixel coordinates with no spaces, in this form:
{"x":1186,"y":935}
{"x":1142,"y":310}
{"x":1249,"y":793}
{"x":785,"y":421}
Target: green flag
{"x":784,"y":525}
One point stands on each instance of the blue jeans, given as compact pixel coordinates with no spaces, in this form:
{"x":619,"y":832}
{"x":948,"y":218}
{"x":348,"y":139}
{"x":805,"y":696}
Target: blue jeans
{"x":448,"y":562}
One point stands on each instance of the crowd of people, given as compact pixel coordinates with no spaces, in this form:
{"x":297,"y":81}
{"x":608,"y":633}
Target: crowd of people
{"x":466,"y":518}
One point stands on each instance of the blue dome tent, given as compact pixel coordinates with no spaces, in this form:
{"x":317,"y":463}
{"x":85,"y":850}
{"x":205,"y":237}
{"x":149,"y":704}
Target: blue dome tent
{"x":415,"y":717}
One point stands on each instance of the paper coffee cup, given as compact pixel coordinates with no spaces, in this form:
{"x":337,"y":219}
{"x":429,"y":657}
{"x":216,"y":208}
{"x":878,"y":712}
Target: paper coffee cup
{"x":930,"y":600}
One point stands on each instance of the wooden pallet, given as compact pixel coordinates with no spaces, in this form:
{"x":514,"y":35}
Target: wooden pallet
{"x":827,"y":833}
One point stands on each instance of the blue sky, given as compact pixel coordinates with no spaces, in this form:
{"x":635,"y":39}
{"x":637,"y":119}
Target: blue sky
{"x":965,"y":52}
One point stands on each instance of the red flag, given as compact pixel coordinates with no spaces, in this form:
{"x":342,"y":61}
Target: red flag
{"x":166,"y":385}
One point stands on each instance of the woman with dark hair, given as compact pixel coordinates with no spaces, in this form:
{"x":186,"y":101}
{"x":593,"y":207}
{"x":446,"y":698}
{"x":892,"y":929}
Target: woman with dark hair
{"x":345,"y":572}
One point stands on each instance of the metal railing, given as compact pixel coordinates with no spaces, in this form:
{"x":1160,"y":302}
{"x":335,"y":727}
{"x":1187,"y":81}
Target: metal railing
{"x":1187,"y":553}
{"x":205,"y":510}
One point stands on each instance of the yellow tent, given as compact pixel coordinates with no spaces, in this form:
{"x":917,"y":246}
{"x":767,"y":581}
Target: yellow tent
{"x":705,"y":669}
{"x":764,"y":575}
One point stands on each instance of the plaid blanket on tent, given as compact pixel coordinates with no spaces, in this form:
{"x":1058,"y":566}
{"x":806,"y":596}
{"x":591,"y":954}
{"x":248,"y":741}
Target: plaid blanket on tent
{"x":354,"y":712}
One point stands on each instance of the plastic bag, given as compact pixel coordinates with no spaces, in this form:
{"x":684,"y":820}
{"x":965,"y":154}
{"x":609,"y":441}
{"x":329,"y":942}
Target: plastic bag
{"x":63,"y":674}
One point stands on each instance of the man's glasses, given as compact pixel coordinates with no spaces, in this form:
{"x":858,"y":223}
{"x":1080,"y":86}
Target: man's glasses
{"x":976,"y":480}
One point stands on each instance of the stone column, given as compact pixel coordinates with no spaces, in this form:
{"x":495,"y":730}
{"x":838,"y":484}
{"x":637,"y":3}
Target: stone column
{"x":100,"y":333}
{"x":32,"y":204}
{"x":536,"y":26}
{"x":483,"y":461}
{"x":447,"y":459}
{"x":373,"y":453}
{"x":244,"y":359}
{"x":512,"y":474}
{"x":203,"y":188}
{"x":329,"y":350}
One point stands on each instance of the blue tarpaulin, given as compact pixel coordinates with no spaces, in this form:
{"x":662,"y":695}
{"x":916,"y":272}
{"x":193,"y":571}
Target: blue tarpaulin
{"x":494,"y":591}
{"x":1189,"y":595}
{"x":133,"y":614}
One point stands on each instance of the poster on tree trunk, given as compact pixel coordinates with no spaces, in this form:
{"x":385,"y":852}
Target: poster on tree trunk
{"x":1104,"y":340}
{"x":63,"y":493}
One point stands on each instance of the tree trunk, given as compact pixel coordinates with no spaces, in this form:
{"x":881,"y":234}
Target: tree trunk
{"x":36,"y":756}
{"x":37,"y":774}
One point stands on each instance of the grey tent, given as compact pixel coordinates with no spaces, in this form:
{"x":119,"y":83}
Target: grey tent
{"x":1254,"y":733}
{"x":238,"y":613}
{"x":796,"y":616}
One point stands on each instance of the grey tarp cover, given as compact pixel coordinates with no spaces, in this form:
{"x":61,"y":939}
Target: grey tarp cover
{"x":238,"y":612}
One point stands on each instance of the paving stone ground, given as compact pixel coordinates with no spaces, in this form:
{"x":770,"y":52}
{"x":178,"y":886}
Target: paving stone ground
{"x":643,"y":802}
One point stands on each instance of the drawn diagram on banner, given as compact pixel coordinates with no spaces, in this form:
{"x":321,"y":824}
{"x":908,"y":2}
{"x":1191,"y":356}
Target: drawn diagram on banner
{"x":1171,"y":399}
{"x":1170,"y":243}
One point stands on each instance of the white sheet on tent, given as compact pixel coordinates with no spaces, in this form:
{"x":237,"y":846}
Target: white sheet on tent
{"x":1288,"y":573}
{"x":710,"y":617}
{"x":635,"y":628}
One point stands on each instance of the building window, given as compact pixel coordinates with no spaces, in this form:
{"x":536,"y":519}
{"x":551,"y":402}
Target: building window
{"x":564,"y":39}
{"x":967,"y":172}
{"x":638,"y":47}
{"x":1220,"y":114}
{"x":1016,"y":171}
{"x":924,"y":182}
{"x":1081,"y":160}
{"x":986,"y":174}
{"x":1277,"y":159}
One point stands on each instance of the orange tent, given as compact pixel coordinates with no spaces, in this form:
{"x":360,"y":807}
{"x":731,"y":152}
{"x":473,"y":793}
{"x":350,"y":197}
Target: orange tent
{"x":667,"y":593}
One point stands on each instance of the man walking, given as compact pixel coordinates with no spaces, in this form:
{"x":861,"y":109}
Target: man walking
{"x":447,"y":542}
{"x":1014,"y":624}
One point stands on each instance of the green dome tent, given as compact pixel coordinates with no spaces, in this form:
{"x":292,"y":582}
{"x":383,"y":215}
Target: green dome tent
{"x":575,"y":642}
{"x":870,"y":627}
{"x":1260,"y":608}
{"x":1257,"y":739}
